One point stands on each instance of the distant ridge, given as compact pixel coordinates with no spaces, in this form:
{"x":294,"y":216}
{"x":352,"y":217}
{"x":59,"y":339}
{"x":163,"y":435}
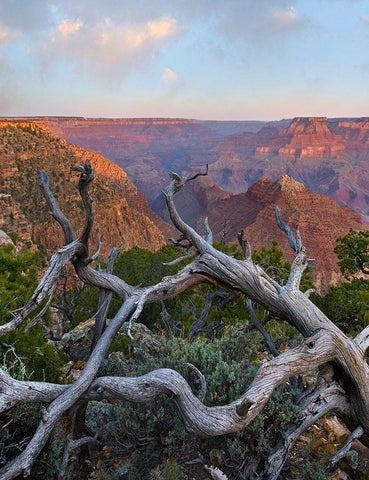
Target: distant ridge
{"x":329,"y":155}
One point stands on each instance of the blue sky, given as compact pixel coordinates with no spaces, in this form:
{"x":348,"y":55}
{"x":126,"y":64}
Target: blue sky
{"x":205,"y":59}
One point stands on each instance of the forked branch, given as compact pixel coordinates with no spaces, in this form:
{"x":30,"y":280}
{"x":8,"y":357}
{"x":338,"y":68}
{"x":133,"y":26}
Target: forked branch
{"x":323,"y":341}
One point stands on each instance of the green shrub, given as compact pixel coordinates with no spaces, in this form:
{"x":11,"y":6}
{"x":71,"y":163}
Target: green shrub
{"x":24,"y":354}
{"x":154,"y":431}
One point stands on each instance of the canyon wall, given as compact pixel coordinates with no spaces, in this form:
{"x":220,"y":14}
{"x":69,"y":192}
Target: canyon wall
{"x":319,"y":218}
{"x":122,"y":212}
{"x":329,"y":156}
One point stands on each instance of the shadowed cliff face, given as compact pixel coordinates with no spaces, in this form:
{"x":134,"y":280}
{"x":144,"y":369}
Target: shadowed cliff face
{"x":320,"y":220}
{"x":329,"y":156}
{"x":122,"y":213}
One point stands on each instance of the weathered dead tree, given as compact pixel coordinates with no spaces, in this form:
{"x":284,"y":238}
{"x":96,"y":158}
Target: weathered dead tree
{"x":343,"y":382}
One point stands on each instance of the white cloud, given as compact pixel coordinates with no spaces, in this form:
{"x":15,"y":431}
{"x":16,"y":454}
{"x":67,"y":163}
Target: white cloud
{"x":164,"y":27}
{"x":110,"y":49}
{"x":7,"y":35}
{"x":161,"y":28}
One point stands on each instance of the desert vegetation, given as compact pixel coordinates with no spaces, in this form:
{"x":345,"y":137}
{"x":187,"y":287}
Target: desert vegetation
{"x":237,"y":364}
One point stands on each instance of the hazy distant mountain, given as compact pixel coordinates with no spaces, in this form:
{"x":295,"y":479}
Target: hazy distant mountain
{"x":147,"y":149}
{"x":330,"y":156}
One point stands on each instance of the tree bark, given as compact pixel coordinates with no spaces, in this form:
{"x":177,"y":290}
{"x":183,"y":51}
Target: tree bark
{"x":324,"y":343}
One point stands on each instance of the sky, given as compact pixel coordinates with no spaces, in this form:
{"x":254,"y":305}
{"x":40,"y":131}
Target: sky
{"x":203,"y":59}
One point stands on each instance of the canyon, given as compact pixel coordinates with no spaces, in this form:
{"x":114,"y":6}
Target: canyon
{"x":253,"y":166}
{"x":329,"y":156}
{"x":122,"y":212}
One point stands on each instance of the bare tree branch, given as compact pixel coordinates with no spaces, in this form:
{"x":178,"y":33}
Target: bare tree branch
{"x":95,"y":256}
{"x":45,"y":286}
{"x":245,"y":246}
{"x":23,"y":463}
{"x":324,"y":343}
{"x":105,"y":297}
{"x":202,"y":380}
{"x":362,"y":340}
{"x":342,"y":452}
{"x":313,"y":404}
{"x":294,"y":243}
{"x":261,"y":329}
{"x":86,"y":177}
{"x":54,"y":207}
{"x":190,"y":256}
{"x":208,"y":233}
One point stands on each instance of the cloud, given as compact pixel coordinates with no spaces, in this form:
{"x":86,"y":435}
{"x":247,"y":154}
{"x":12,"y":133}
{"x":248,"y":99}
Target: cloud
{"x":169,"y":77}
{"x":286,"y":21}
{"x":67,"y":27}
{"x":3,"y":37}
{"x":285,"y":16}
{"x":107,"y":49}
{"x":107,"y":41}
{"x":258,"y":23}
{"x":155,"y":29}
{"x":7,"y":35}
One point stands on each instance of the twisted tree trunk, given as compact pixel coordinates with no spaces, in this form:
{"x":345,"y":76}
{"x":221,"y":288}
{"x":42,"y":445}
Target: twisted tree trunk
{"x":345,"y":390}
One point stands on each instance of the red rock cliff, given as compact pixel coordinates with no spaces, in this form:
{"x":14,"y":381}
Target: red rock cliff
{"x":122,"y":213}
{"x":320,"y":220}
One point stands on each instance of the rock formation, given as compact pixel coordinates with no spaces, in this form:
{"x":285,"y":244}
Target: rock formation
{"x":319,"y":218}
{"x":122,"y":212}
{"x":328,"y":155}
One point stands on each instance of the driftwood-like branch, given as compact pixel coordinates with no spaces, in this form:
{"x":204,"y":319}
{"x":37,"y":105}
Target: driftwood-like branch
{"x":198,"y":326}
{"x":268,"y":339}
{"x":197,"y":417}
{"x":54,"y":207}
{"x":95,"y":256}
{"x":208,"y":233}
{"x":45,"y":286}
{"x":179,"y":182}
{"x":324,"y":343}
{"x":320,"y":399}
{"x":86,"y":177}
{"x":294,"y":243}
{"x":105,"y":297}
{"x":189,"y":256}
{"x":245,"y":245}
{"x":23,"y":463}
{"x":39,"y":316}
{"x":220,"y":298}
{"x":362,"y":340}
{"x":342,"y":452}
{"x":202,"y":381}
{"x":70,"y":447}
